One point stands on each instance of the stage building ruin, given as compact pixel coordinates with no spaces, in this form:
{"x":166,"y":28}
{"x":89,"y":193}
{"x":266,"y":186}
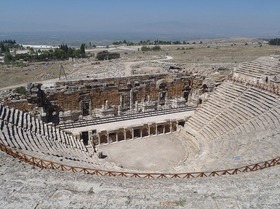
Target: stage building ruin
{"x":70,"y":101}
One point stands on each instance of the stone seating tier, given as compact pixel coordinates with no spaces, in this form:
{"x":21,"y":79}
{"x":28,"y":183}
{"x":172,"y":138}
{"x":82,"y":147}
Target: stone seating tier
{"x":237,"y":125}
{"x":23,"y":132}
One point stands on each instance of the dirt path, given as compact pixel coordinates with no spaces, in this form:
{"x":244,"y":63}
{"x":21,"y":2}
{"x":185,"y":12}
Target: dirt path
{"x":128,"y":68}
{"x":50,"y":82}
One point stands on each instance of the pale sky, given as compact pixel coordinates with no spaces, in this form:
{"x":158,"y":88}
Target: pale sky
{"x":259,"y":18}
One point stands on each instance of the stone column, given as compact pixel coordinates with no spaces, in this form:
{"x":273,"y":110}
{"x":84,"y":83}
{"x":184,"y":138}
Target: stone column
{"x":149,"y":129}
{"x":117,"y":137}
{"x":124,"y":134}
{"x":106,"y":105}
{"x":121,"y":100}
{"x":108,"y":139}
{"x":171,"y":127}
{"x":136,"y":106}
{"x":90,"y":108}
{"x":141,"y":133}
{"x":156,"y":130}
{"x":159,"y":97}
{"x":163,"y":129}
{"x":90,"y":137}
{"x":166,"y":99}
{"x":119,"y":110}
{"x":131,"y":100}
{"x":132,"y":133}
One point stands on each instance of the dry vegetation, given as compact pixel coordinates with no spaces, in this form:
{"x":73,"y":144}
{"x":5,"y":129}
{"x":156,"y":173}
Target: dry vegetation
{"x":223,"y":53}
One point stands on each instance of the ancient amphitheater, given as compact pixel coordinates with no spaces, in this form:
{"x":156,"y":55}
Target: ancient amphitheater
{"x":157,"y":142}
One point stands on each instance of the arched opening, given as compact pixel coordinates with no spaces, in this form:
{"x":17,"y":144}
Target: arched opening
{"x":152,"y":130}
{"x":137,"y":133}
{"x":120,"y":136}
{"x":84,"y":136}
{"x":85,"y":108}
{"x":103,"y":139}
{"x":162,"y":89}
{"x":174,"y":127}
{"x":160,"y":129}
{"x":186,"y":91}
{"x":181,"y":123}
{"x":167,"y":128}
{"x":128,"y":134}
{"x":162,"y":96}
{"x":112,"y":137}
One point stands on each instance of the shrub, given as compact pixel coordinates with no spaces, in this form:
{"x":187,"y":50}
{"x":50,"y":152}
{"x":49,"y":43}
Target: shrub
{"x":21,"y":90}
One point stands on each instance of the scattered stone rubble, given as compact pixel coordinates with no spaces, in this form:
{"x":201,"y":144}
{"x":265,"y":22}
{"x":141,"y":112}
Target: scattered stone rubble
{"x":238,"y":124}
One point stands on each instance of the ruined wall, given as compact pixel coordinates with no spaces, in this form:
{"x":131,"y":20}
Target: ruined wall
{"x":99,"y":96}
{"x":69,"y":95}
{"x":20,"y":104}
{"x":70,"y":101}
{"x":145,"y":90}
{"x":176,"y":88}
{"x":83,"y":97}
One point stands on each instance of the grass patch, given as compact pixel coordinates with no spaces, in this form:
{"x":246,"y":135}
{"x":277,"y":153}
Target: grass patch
{"x":180,"y":202}
{"x":21,"y":90}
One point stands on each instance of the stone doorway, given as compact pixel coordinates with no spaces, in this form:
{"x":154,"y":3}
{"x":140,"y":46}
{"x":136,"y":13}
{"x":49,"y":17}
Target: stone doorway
{"x":85,"y":137}
{"x":85,"y":108}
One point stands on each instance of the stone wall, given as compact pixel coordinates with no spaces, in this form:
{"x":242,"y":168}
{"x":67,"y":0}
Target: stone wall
{"x":19,"y":104}
{"x":70,"y":100}
{"x":97,"y":92}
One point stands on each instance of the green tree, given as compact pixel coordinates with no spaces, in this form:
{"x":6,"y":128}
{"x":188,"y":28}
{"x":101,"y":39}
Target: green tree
{"x":77,"y":53}
{"x":145,"y":48}
{"x":2,"y":47}
{"x":156,"y":48}
{"x":8,"y":57}
{"x":82,"y":50}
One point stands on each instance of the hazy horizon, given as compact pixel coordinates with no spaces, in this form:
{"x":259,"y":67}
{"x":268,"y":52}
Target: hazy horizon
{"x":93,"y":20}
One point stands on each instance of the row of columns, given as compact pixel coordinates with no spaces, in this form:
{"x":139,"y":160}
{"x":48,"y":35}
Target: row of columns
{"x":123,"y":134}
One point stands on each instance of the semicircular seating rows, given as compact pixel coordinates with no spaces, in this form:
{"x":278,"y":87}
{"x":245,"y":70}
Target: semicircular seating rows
{"x":261,"y":67}
{"x":238,"y":125}
{"x":29,"y":135}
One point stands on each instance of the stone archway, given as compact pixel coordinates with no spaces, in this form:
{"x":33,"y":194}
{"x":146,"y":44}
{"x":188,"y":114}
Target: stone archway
{"x":103,"y":139}
{"x":174,"y":127}
{"x":181,"y":123}
{"x":128,"y":134}
{"x":120,"y":136}
{"x":160,"y":129}
{"x":137,"y":133}
{"x":112,"y":137}
{"x":152,"y":130}
{"x":167,"y":128}
{"x":145,"y":132}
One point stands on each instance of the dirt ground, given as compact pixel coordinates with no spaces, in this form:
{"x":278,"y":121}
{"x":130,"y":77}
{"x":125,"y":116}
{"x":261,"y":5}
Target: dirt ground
{"x":156,"y":153}
{"x":208,"y":54}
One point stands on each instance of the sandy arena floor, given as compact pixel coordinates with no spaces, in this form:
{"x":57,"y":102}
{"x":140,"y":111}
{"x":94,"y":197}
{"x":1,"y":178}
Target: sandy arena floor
{"x":156,"y":153}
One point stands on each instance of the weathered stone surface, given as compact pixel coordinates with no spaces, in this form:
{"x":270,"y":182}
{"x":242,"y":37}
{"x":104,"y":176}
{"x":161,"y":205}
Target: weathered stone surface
{"x":23,"y":186}
{"x":237,"y":125}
